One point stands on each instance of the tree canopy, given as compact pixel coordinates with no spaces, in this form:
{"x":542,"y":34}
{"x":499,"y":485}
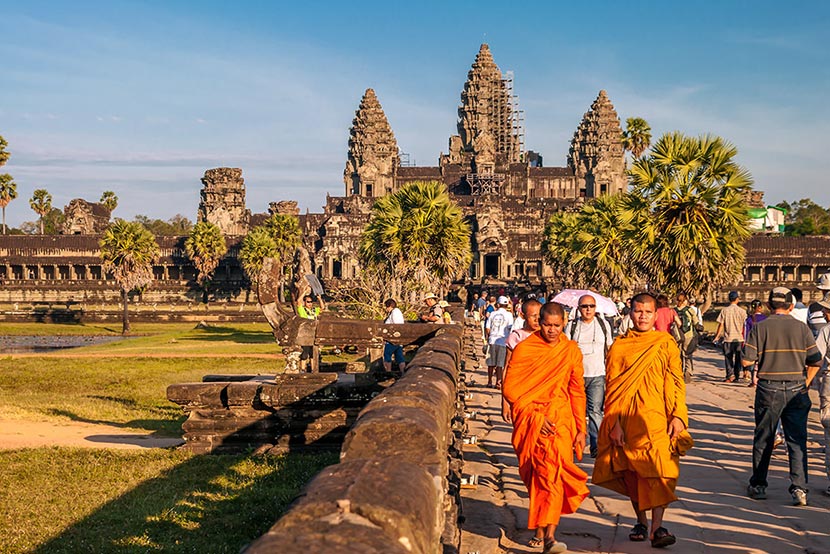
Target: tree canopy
{"x":8,"y":192}
{"x":41,"y":204}
{"x":176,"y":226}
{"x":109,"y":199}
{"x":205,"y":247}
{"x":277,"y":238}
{"x":637,"y":136}
{"x":805,"y":217}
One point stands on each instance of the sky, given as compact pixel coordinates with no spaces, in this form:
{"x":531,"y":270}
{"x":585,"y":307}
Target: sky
{"x":141,"y":97}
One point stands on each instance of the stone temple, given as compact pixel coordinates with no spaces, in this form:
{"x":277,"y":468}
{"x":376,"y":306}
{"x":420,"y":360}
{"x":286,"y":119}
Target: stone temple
{"x":505,"y":191}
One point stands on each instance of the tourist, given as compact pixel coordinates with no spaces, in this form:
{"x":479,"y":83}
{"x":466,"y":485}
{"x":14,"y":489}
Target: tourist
{"x":756,"y":315}
{"x":446,"y":316}
{"x":307,"y":310}
{"x":783,"y":347}
{"x":731,"y":321}
{"x":434,"y":313}
{"x":823,"y":345}
{"x":593,"y":335}
{"x":545,"y":394}
{"x":531,"y":325}
{"x":666,"y":316}
{"x":799,"y":311}
{"x":393,"y":317}
{"x":643,"y":433}
{"x":499,"y":324}
{"x":475,"y":310}
{"x":815,"y":318}
{"x":690,"y":326}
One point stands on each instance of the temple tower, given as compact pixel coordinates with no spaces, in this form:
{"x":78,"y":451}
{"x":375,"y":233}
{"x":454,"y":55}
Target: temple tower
{"x":596,"y":153}
{"x":373,"y":151}
{"x":488,"y":118}
{"x":223,"y":201}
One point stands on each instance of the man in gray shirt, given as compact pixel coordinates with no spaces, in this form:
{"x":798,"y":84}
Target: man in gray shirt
{"x":788,"y":359}
{"x":731,"y":321}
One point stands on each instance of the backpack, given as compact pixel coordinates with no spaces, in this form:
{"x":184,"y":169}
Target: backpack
{"x":602,"y":325}
{"x":685,"y":320}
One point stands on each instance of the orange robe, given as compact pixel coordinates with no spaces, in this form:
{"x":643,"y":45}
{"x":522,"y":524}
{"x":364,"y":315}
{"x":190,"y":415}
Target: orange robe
{"x":545,"y":380}
{"x":644,"y":389}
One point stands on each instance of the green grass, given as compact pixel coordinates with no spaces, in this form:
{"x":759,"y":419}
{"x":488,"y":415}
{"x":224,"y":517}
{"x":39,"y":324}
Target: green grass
{"x":111,"y":328}
{"x":60,"y":500}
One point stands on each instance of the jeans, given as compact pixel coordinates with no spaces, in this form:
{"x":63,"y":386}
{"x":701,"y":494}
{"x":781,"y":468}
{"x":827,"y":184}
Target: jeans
{"x":595,"y":396}
{"x":789,"y":402}
{"x":390,"y":350}
{"x":732,"y":353}
{"x":824,"y":414}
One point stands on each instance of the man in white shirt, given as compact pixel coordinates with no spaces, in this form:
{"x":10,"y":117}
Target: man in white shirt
{"x":498,"y":326}
{"x":393,"y":316}
{"x":593,"y":335}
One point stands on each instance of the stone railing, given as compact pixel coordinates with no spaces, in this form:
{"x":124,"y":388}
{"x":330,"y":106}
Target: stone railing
{"x":396,"y":488}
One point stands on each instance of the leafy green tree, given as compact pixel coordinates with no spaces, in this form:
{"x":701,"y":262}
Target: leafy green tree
{"x":128,"y":251}
{"x":637,"y":136}
{"x":8,"y":192}
{"x":176,"y":226}
{"x":110,"y":200}
{"x":52,"y":224}
{"x":41,"y":203}
{"x":277,"y":238}
{"x":805,"y":217}
{"x":417,"y":239}
{"x":205,"y":247}
{"x":688,"y":214}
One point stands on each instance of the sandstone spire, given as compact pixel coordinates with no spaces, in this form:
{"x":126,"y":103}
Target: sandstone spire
{"x":596,"y":152}
{"x":486,"y":118}
{"x":373,"y":151}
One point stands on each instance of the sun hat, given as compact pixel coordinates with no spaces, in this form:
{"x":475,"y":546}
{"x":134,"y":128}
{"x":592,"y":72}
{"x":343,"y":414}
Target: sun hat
{"x":824,"y":303}
{"x":823,"y":282}
{"x":444,"y":304}
{"x":503,"y":301}
{"x":429,"y":295}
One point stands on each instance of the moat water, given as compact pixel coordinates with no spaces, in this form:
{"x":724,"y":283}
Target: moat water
{"x":39,"y":343}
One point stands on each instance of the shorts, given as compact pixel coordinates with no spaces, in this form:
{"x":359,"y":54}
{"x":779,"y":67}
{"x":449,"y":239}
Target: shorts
{"x":390,"y":350}
{"x":497,"y":355}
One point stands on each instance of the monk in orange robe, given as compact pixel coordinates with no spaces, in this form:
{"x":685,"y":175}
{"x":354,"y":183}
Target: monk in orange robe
{"x":546,"y":395}
{"x":643,"y":431}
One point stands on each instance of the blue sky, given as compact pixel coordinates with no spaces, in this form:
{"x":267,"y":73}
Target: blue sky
{"x":142,"y":97}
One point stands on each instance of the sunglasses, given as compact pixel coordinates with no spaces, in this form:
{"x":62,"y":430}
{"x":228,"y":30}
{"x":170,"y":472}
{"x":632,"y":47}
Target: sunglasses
{"x":586,"y":306}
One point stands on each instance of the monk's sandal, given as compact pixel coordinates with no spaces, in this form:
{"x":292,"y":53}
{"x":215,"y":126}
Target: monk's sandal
{"x":662,"y":538}
{"x":639,"y":533}
{"x":553,"y":547}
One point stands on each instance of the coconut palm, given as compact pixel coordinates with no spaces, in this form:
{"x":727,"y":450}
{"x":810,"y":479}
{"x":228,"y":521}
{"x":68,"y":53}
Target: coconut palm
{"x":128,"y":251}
{"x":8,"y":192}
{"x":41,"y":203}
{"x":637,"y":136}
{"x":689,"y":213}
{"x":109,"y":200}
{"x":205,"y":247}
{"x":418,"y":237}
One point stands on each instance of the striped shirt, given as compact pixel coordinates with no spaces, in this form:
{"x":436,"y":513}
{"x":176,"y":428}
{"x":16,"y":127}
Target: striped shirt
{"x":782,"y":346}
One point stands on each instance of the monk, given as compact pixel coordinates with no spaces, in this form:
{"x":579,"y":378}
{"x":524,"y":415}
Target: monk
{"x":546,"y":396}
{"x":643,"y":432}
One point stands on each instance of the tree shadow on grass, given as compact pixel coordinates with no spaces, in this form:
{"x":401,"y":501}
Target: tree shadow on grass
{"x":206,"y":504}
{"x":170,"y":426}
{"x":231,"y":334}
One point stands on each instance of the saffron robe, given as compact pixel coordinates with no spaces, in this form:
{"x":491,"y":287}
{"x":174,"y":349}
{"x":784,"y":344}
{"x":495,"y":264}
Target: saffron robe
{"x":544,"y":380}
{"x":644,"y":390}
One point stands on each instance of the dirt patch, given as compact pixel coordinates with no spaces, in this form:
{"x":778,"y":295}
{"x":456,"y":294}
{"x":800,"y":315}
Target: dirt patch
{"x":34,"y":434}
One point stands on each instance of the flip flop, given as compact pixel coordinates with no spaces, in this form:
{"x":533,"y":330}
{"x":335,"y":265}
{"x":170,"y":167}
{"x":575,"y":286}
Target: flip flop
{"x":639,"y":533}
{"x":536,"y":542}
{"x":662,"y":538}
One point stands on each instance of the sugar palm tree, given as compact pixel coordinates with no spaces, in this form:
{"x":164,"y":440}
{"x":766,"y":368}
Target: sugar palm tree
{"x":256,"y":246}
{"x":689,"y":213}
{"x":128,"y":251}
{"x":205,"y":246}
{"x":418,"y":237}
{"x":109,"y":200}
{"x":637,"y":136}
{"x":41,"y":203}
{"x":4,"y":154}
{"x":558,"y":247}
{"x":8,"y":192}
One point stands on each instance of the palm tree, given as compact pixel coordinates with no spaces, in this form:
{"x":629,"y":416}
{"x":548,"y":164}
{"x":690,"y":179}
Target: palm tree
{"x":205,"y":246}
{"x":128,"y":251}
{"x":41,"y":203}
{"x":4,"y":154}
{"x":558,"y":248}
{"x":637,"y":136}
{"x":689,"y":213}
{"x":418,"y":237}
{"x":109,"y":200}
{"x":8,"y":192}
{"x":256,"y":246}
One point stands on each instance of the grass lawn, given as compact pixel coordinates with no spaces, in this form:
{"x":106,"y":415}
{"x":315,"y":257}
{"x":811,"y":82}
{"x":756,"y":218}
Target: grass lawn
{"x":61,"y":500}
{"x":125,"y":382}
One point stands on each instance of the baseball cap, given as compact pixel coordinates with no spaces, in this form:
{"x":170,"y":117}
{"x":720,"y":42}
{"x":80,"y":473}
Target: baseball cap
{"x":781,"y":294}
{"x":823,"y":282}
{"x":733,"y":295}
{"x":503,"y":301}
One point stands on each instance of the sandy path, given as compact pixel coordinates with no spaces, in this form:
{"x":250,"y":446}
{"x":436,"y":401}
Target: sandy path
{"x":32,"y":434}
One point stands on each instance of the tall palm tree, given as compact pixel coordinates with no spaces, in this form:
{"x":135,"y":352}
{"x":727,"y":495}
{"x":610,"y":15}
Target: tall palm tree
{"x":558,"y":247}
{"x":128,"y":251}
{"x":418,"y":237}
{"x":41,"y":203}
{"x":689,"y":213}
{"x":256,"y":246}
{"x":205,"y":247}
{"x":8,"y":192}
{"x":109,"y":200}
{"x":4,"y":154}
{"x":637,"y":136}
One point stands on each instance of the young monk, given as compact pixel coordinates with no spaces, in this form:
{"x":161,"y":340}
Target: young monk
{"x":546,"y":395}
{"x":641,"y":436}
{"x":530,"y":309}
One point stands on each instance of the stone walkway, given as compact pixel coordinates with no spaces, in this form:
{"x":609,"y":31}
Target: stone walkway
{"x":713,"y":514}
